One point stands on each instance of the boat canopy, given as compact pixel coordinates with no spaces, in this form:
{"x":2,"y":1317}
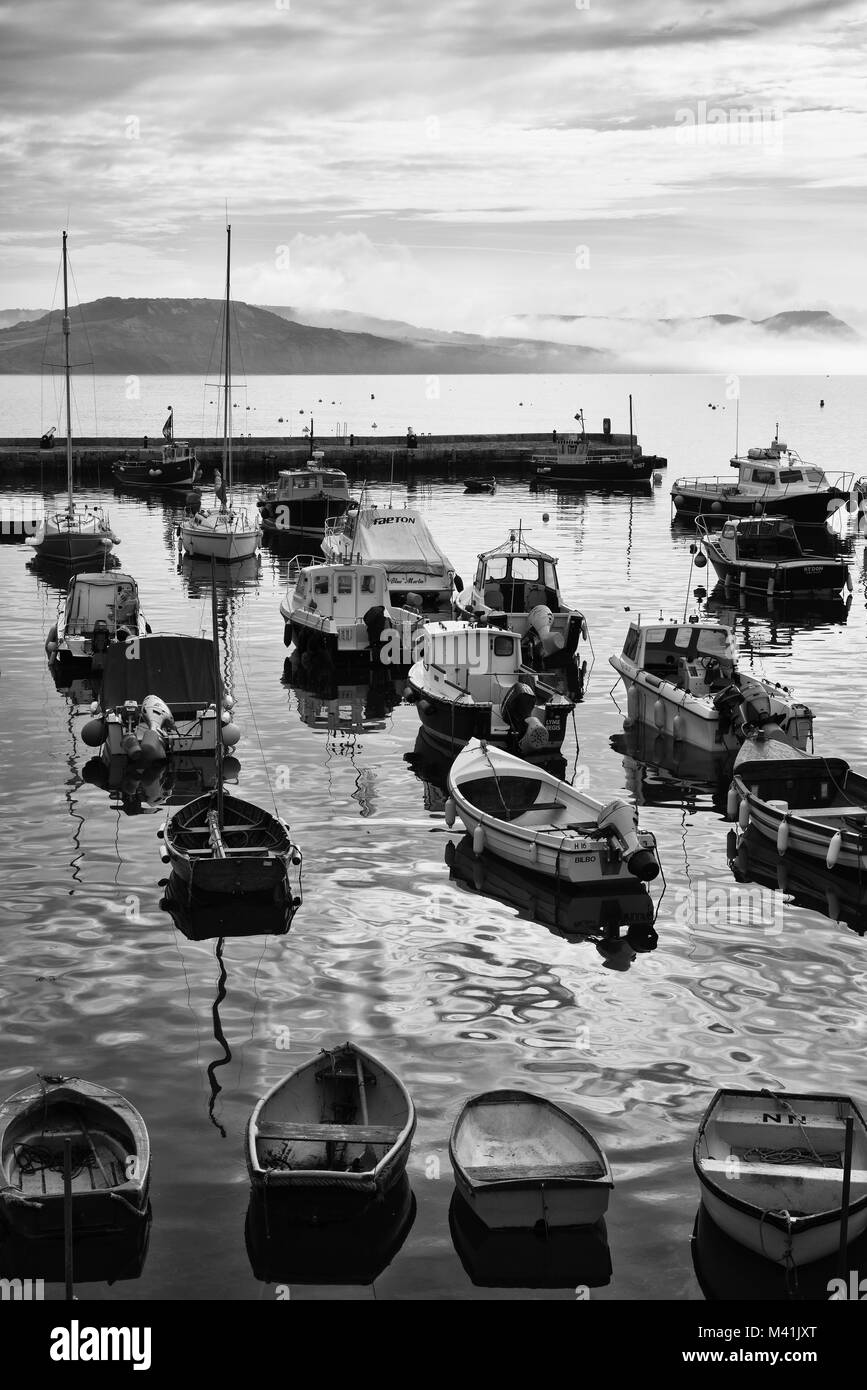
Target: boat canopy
{"x":343,"y":589}
{"x":111,"y":598}
{"x":180,"y":670}
{"x":397,"y":539}
{"x":665,"y":645}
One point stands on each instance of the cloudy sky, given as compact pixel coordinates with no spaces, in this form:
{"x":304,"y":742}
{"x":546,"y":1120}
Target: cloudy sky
{"x":450,"y":164}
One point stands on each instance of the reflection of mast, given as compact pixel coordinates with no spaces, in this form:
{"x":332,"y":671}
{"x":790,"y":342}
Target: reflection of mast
{"x":220,"y":1036}
{"x":72,"y":785}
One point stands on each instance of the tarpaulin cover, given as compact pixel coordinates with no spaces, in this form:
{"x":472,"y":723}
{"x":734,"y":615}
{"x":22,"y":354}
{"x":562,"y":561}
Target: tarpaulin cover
{"x":401,"y":539}
{"x":180,"y":670}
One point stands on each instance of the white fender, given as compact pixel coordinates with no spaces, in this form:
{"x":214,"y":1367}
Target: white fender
{"x":834,"y":849}
{"x":733,"y":802}
{"x":633,"y":704}
{"x":744,"y":814}
{"x":783,"y":837}
{"x":450,"y":811}
{"x":659,"y":714}
{"x":678,"y":726}
{"x":479,"y":840}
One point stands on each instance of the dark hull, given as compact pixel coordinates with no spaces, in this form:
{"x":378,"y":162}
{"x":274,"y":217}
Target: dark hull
{"x":598,"y":474}
{"x":819,"y":576}
{"x":301,"y":518}
{"x":808,"y":507}
{"x":139,"y":477}
{"x":727,"y":1272}
{"x":451,"y":726}
{"x":257,"y":868}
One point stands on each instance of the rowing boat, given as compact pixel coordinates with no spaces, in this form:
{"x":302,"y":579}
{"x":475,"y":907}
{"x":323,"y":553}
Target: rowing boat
{"x":109,"y":1155}
{"x":519,"y":1160}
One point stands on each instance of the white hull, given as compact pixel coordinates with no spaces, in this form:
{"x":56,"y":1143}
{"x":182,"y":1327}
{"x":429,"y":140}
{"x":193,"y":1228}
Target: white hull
{"x":815,"y":1243}
{"x":194,"y":736}
{"x":522,"y":1206}
{"x":225,"y":541}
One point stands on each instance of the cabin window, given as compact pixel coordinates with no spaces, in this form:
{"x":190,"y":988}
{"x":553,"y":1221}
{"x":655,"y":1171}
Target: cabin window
{"x":302,"y":482}
{"x":683,"y":636}
{"x":791,"y":475}
{"x":344,"y":583}
{"x":480,"y":576}
{"x":496,"y":568}
{"x":630,"y":646}
{"x":764,"y":475}
{"x":368,"y":584}
{"x":814,"y":475}
{"x":321,"y":584}
{"x":503,"y":646}
{"x":523,"y":568}
{"x":550,"y":572}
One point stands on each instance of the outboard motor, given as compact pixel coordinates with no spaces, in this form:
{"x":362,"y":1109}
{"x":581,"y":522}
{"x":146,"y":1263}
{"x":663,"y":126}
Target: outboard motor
{"x":377,"y":621}
{"x":540,"y":619}
{"x":156,"y":723}
{"x":101,"y":637}
{"x":756,"y":705}
{"x":619,"y":822}
{"x":727,"y":703}
{"x":520,"y":709}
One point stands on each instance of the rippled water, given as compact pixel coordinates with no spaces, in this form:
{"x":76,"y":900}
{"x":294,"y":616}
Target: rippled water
{"x":453,"y":988}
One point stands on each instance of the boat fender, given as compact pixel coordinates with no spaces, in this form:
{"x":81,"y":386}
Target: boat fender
{"x":849,"y":581}
{"x":834,"y":849}
{"x":231,"y":735}
{"x":679,"y":500}
{"x":424,"y":706}
{"x":479,"y":840}
{"x":700,"y":561}
{"x":633,"y":704}
{"x":659,"y":714}
{"x":716,"y":506}
{"x":94,"y":733}
{"x":130,"y":746}
{"x":161,"y":832}
{"x":450,"y":811}
{"x":744,"y":814}
{"x":287,"y":634}
{"x":783,"y":836}
{"x":733,"y":802}
{"x":51,"y":641}
{"x":164,"y":854}
{"x":535,"y":735}
{"x":678,"y":727}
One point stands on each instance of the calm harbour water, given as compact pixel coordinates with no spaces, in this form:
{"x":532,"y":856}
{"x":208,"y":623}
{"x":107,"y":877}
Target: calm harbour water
{"x":456,"y":991}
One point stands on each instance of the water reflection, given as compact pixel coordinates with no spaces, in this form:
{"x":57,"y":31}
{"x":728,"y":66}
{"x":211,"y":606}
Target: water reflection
{"x":135,"y":789}
{"x":772,"y":622}
{"x":102,"y":1257}
{"x":727,"y":1272}
{"x":838,"y":896}
{"x":565,"y":1257}
{"x":662,"y":772}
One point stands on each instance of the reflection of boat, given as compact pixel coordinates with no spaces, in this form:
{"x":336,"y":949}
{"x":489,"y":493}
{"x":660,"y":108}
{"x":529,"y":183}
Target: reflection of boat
{"x":333,"y":707}
{"x":109,"y":1157}
{"x":568,"y":911}
{"x":662,"y":771}
{"x":803,"y":803}
{"x":839,"y":897}
{"x":206,"y":919}
{"x":772,"y":481}
{"x":519,"y":1159}
{"x":765,"y":553}
{"x":682,"y":679}
{"x":784,"y":612}
{"x":771,"y":1171}
{"x":283,"y":1246}
{"x":431,"y":764}
{"x":302,"y":499}
{"x":471,"y":683}
{"x":519,"y":581}
{"x":99,"y":609}
{"x":222,"y":533}
{"x":561,"y":1258}
{"x":233,"y":574}
{"x":337,"y":1131}
{"x":138,"y":788}
{"x":399,"y":539}
{"x":522,"y":814}
{"x":727,"y":1272}
{"x":176,"y":470}
{"x":100,"y":1257}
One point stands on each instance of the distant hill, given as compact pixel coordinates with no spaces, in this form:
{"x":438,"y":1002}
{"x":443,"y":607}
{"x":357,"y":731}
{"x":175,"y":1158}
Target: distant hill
{"x":164,"y":336}
{"x":8,"y":317}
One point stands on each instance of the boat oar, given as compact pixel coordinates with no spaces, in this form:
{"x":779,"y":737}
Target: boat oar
{"x":847,"y":1182}
{"x":67,"y":1217}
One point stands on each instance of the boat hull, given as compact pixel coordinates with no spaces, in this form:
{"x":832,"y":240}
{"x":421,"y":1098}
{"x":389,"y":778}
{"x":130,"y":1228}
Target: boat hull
{"x":807,"y":577}
{"x":709,"y":502}
{"x":222,"y":543}
{"x":258,"y":868}
{"x":300,"y":518}
{"x":450,"y":725}
{"x":156,"y":478}
{"x":551,"y":473}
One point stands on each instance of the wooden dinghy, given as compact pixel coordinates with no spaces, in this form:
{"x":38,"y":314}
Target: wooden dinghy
{"x":771,"y":1171}
{"x":337,"y":1131}
{"x":804,"y":803}
{"x":238,"y":850}
{"x":110,"y":1156}
{"x":518,"y":1159}
{"x":521,"y":813}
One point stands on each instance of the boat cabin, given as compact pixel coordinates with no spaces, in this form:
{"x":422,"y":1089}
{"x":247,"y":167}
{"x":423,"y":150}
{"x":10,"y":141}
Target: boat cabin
{"x":511,"y":580}
{"x":341,"y":592}
{"x":696,"y":656}
{"x":767,"y":538}
{"x":107,"y":601}
{"x":314,"y":481}
{"x":469,"y":657}
{"x":779,"y":467}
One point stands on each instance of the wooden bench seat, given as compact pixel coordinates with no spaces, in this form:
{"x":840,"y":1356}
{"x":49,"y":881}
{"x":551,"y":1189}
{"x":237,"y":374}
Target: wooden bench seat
{"x":296,"y":1130}
{"x":536,"y":1172}
{"x":829,"y":812}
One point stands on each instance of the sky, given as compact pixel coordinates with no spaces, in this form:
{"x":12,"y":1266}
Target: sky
{"x":454,"y":165}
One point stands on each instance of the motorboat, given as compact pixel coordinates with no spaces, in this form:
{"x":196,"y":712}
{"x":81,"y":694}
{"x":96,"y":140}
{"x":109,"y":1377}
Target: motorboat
{"x":771,"y":482}
{"x":420,"y":575}
{"x":765,"y":554}
{"x":176,"y":470}
{"x":343,"y":612}
{"x":301,"y":500}
{"x":584,"y":460}
{"x":99,"y":609}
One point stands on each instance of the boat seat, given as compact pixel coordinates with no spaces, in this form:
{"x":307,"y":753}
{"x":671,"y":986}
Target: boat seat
{"x":533,"y":1172}
{"x":296,"y":1130}
{"x":494,"y":597}
{"x":837,"y":812}
{"x":723,"y":1167}
{"x":208,"y":852}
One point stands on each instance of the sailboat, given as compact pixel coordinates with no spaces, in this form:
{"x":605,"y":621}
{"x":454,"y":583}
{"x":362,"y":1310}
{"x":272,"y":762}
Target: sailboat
{"x":221,"y":846}
{"x":76,"y":534}
{"x":223,"y":533}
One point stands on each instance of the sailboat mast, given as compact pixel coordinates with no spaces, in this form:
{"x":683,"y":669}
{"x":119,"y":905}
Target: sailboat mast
{"x":227,"y":411}
{"x":631,"y":450}
{"x":218,"y":702}
{"x":68,"y":392}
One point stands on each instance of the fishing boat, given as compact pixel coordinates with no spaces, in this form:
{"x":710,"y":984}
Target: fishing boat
{"x":99,"y":609}
{"x":682,"y":678}
{"x":766,"y":555}
{"x":470,"y":682}
{"x":344,"y":612}
{"x":176,"y":470}
{"x":804,"y":803}
{"x":420,"y":575}
{"x":224,"y":532}
{"x":337,"y":1130}
{"x":517,"y":584}
{"x":479,"y":485}
{"x":519,"y":1159}
{"x":74,"y":535}
{"x":109,"y":1156}
{"x":157,"y":700}
{"x":221,"y":846}
{"x":771,"y":1168}
{"x":513,"y":1258}
{"x":524,"y":815}
{"x":771,"y":482}
{"x":301,"y":500}
{"x":583,"y":459}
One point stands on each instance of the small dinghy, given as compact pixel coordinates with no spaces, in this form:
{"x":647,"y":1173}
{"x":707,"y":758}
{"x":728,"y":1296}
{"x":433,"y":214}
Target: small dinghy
{"x":337,"y":1130}
{"x":110,"y":1157}
{"x":771,"y":1170}
{"x":804,"y":803}
{"x":220,"y":845}
{"x":521,"y":813}
{"x":477,"y":485}
{"x":518,"y":1159}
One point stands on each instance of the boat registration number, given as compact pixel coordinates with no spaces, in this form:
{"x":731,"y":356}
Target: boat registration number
{"x":812,"y":569}
{"x":552,"y":725}
{"x":345,"y":634}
